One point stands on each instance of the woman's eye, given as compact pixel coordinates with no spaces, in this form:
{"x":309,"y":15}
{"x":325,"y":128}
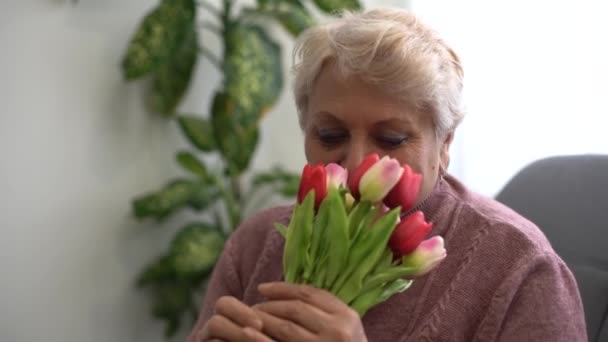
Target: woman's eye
{"x":392,"y":141}
{"x":331,"y":137}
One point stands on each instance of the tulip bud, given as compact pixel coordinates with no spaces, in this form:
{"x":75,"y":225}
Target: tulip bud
{"x":409,"y":234}
{"x":355,"y":178}
{"x":405,"y":192}
{"x":426,"y":257}
{"x":336,"y":176}
{"x":379,"y":179}
{"x":313,"y":178}
{"x":349,"y":201}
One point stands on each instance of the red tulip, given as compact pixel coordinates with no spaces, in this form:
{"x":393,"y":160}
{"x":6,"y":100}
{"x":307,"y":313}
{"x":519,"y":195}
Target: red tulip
{"x":410,"y":232}
{"x":405,"y":193}
{"x":355,"y":178}
{"x":313,"y":178}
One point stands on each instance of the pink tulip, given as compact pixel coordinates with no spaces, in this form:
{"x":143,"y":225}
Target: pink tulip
{"x":379,"y":179}
{"x":355,"y":178}
{"x":336,"y":176}
{"x":426,"y":257}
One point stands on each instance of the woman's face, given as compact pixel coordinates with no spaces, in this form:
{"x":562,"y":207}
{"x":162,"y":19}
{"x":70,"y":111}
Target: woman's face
{"x":348,"y":119}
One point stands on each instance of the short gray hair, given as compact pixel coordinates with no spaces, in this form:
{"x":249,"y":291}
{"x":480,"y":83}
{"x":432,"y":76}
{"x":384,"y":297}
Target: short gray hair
{"x":388,"y":48}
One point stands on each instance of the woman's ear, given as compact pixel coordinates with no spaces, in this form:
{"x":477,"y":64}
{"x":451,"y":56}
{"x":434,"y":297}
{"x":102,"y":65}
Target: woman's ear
{"x":444,"y":153}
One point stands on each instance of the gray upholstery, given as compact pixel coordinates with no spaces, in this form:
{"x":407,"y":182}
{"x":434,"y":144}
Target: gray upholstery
{"x":567,"y":197}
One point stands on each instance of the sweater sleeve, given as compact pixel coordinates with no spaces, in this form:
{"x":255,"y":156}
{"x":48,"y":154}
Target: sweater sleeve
{"x":224,"y":282}
{"x":539,"y":302}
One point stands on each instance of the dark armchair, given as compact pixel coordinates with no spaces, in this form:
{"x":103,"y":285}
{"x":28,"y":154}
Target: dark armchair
{"x":567,"y":197}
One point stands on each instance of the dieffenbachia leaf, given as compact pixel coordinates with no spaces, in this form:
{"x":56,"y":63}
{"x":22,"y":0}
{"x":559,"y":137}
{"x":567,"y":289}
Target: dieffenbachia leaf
{"x":294,"y":17}
{"x":158,"y":37}
{"x":190,"y":162}
{"x":253,"y":71}
{"x":235,"y":133}
{"x":335,"y":6}
{"x":198,"y":131}
{"x":172,"y":79}
{"x":175,"y":195}
{"x":195,"y":249}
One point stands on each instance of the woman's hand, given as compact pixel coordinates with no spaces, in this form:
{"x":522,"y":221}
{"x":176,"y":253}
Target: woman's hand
{"x":303,"y":313}
{"x":232,"y":321}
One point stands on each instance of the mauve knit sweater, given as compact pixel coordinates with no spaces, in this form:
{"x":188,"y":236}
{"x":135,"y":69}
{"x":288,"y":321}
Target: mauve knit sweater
{"x":501,"y":280}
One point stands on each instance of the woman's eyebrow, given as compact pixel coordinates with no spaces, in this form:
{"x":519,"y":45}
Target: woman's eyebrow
{"x":394,"y":121}
{"x":326,"y":117}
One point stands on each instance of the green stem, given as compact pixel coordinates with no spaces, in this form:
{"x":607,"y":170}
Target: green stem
{"x":232,"y":205}
{"x":387,"y":276}
{"x":226,"y":24}
{"x":235,"y":187}
{"x":227,"y":4}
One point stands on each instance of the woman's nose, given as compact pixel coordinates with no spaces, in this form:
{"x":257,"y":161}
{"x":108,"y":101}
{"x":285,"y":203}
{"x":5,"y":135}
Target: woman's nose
{"x":354,"y":156}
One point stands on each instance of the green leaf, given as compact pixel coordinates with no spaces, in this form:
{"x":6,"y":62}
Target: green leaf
{"x":294,"y":17}
{"x":286,"y":182}
{"x":297,"y":240}
{"x":276,"y":175}
{"x":162,"y":203}
{"x":198,"y":131}
{"x":172,"y":79}
{"x":281,"y":229}
{"x":203,"y":196}
{"x":158,"y":37}
{"x":191,"y":163}
{"x":235,"y":136}
{"x":159,"y":271}
{"x":290,"y":187}
{"x":334,"y":6}
{"x":396,"y":286}
{"x":337,"y":237}
{"x":171,"y":301}
{"x":253,"y":71}
{"x":195,"y":249}
{"x":253,"y":82}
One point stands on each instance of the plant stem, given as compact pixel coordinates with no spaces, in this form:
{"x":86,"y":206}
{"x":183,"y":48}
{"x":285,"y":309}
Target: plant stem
{"x":211,"y":57}
{"x":235,"y":182}
{"x":232,"y":206}
{"x":226,"y":24}
{"x":227,"y":4}
{"x":210,"y":8}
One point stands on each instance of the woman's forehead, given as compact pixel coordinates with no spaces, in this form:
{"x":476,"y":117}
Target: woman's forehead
{"x":377,"y":115}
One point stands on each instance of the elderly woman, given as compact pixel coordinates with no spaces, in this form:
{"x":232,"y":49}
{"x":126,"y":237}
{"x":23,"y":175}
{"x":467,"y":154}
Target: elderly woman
{"x":382,"y":82}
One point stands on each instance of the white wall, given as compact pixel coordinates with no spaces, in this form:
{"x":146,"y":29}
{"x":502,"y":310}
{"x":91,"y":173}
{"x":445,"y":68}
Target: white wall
{"x":75,"y":148}
{"x":535,"y":82}
{"x":76,"y":145}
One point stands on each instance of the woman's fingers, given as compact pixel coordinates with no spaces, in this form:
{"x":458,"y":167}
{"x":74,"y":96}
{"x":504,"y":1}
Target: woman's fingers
{"x":221,"y":328}
{"x":255,"y":336}
{"x":304,"y":314}
{"x":284,"y":330}
{"x":307,"y":294}
{"x":239,"y":313}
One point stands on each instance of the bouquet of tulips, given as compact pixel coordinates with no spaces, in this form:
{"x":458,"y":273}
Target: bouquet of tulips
{"x":347,"y":235}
